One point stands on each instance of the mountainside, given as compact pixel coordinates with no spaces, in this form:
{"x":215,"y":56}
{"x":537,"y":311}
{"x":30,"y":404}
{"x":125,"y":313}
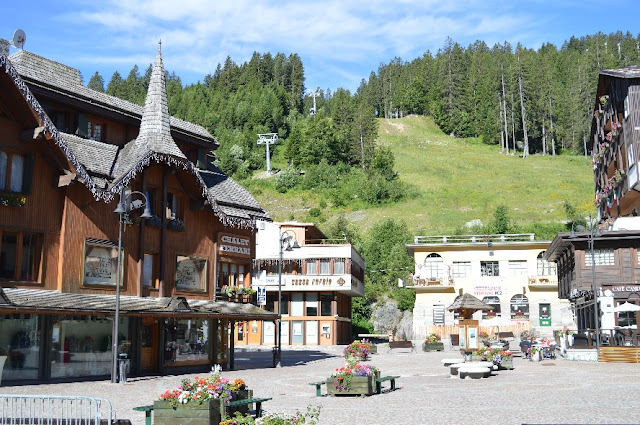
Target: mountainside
{"x":454,"y":181}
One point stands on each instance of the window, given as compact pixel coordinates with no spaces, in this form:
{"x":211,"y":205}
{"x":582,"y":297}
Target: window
{"x":627,"y":318}
{"x":517,"y":268}
{"x":519,"y":307}
{"x":325,"y":304}
{"x":186,"y":340}
{"x":284,"y":307}
{"x":15,"y":172}
{"x":338,"y":266}
{"x":149,"y":271}
{"x":95,"y":130}
{"x":312,"y":267}
{"x":297,"y":304}
{"x":312,"y":304}
{"x":151,"y":199}
{"x":101,"y":262}
{"x":438,"y":314}
{"x":494,"y":302}
{"x":191,"y":273}
{"x":603,"y":257}
{"x":172,"y":210}
{"x":546,"y":268}
{"x":20,"y":256}
{"x":461,"y":269}
{"x":489,"y":268}
{"x":325,"y":266}
{"x":433,"y":266}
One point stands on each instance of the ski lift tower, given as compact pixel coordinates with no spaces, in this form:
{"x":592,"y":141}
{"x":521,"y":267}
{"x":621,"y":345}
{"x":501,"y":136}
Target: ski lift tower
{"x":314,"y":94}
{"x":268,"y":139}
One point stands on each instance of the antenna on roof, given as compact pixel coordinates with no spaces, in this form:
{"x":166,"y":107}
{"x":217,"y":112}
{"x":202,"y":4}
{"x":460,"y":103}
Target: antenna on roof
{"x":19,"y":38}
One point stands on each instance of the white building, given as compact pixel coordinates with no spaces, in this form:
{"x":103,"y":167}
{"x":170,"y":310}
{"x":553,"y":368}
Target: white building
{"x":506,"y":271}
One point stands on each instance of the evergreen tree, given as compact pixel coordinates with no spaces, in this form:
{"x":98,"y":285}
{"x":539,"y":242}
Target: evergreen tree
{"x":96,"y":83}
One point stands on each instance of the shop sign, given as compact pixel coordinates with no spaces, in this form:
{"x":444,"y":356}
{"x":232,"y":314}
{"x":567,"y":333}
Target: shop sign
{"x":262,"y":295}
{"x":234,"y":245}
{"x":326,"y":281}
{"x":544,"y":314}
{"x":489,"y":290}
{"x":625,"y":288}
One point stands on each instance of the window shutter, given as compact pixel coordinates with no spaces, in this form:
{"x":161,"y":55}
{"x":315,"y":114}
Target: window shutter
{"x":83,"y":125}
{"x":27,"y":178}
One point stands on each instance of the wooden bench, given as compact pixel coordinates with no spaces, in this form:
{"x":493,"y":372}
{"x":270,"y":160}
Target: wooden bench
{"x":318,"y":389}
{"x":379,"y":382}
{"x":401,"y":344}
{"x":249,"y":401}
{"x":147,"y":412}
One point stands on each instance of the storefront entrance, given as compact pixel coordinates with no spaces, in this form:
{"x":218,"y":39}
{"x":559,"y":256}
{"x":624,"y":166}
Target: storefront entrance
{"x":149,"y":336}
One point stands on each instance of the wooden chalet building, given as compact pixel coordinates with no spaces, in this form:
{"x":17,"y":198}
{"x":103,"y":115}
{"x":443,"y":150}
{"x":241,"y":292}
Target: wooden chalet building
{"x":615,"y":260}
{"x":67,"y":155}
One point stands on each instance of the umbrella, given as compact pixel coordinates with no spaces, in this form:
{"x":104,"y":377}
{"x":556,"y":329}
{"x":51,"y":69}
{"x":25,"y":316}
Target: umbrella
{"x":467,"y":304}
{"x":497,"y":321}
{"x":627,"y":306}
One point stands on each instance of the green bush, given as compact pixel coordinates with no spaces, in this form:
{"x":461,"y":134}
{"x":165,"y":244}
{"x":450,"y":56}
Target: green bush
{"x":286,"y":180}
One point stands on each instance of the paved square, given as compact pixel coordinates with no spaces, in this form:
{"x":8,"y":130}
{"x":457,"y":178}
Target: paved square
{"x":552,"y":391}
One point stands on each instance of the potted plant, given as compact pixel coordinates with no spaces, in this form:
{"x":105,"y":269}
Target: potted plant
{"x":357,"y":351}
{"x":504,"y":359}
{"x":535,"y":354}
{"x":310,"y":417}
{"x":432,"y":343}
{"x":202,"y":401}
{"x":231,"y":292}
{"x":245,"y":293}
{"x":357,"y":379}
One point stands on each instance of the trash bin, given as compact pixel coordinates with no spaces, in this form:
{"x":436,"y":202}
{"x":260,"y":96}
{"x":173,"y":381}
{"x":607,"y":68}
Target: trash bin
{"x":123,"y":366}
{"x":274,"y":353}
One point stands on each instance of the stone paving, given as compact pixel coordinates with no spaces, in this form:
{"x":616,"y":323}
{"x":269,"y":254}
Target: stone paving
{"x":552,"y":391}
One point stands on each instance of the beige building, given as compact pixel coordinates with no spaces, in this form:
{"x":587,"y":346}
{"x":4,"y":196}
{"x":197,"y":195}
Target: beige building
{"x":508,"y":272}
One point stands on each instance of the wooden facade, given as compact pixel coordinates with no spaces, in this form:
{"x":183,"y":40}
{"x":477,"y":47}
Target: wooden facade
{"x":67,"y":156}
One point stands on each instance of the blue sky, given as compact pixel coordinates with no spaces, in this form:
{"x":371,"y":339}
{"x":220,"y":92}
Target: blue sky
{"x":339,"y":41}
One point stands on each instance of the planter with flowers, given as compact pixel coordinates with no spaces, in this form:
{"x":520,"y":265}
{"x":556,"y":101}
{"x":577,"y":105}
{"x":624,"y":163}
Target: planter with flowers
{"x":202,"y":401}
{"x":359,"y":379}
{"x":503,"y":359}
{"x":357,"y":351}
{"x":432,"y":343}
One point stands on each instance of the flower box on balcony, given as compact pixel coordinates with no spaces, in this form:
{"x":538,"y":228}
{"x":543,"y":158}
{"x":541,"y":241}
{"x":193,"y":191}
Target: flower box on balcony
{"x":176,"y":224}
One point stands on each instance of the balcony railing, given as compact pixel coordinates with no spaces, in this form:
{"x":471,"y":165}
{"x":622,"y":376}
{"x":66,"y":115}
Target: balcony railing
{"x":512,"y":237}
{"x":433,"y":281}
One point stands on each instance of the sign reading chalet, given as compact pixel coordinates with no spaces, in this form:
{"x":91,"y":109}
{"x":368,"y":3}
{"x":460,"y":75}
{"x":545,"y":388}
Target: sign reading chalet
{"x":234,"y":245}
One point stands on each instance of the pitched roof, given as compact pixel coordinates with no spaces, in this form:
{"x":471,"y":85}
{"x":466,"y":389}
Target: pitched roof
{"x":54,"y":301}
{"x":631,"y":71}
{"x":67,"y":80}
{"x":469,"y":302}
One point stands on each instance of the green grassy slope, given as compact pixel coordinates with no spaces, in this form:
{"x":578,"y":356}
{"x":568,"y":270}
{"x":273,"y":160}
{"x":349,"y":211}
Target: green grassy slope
{"x":456,"y":181}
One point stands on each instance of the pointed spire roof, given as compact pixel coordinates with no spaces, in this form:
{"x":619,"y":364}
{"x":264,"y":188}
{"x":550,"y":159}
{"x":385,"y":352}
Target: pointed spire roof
{"x":154,"y":136}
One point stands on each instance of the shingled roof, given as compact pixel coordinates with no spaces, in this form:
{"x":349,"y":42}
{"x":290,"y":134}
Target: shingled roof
{"x":41,"y":300}
{"x":49,"y":74}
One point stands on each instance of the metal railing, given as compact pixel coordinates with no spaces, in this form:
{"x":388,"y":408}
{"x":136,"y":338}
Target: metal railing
{"x":608,"y":338}
{"x":54,"y":410}
{"x":512,"y":237}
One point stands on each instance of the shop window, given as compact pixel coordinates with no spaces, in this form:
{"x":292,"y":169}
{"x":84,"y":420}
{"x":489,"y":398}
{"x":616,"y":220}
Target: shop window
{"x":20,"y":255}
{"x":20,"y":337}
{"x":312,"y":267}
{"x":150,"y":271}
{"x":518,"y":268}
{"x":339,"y":266}
{"x":603,"y":257}
{"x":433,"y":266}
{"x":627,"y":318}
{"x":494,"y":302}
{"x":191,"y":273}
{"x":325,"y":305}
{"x":82,"y":345}
{"x":101,"y":262}
{"x":519,"y":307}
{"x":489,"y":268}
{"x":15,"y":172}
{"x":312,"y":304}
{"x":186,"y":340}
{"x":325,"y":266}
{"x":461,"y":269}
{"x":546,"y":268}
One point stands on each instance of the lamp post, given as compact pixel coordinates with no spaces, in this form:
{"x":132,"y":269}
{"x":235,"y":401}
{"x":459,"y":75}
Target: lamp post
{"x":287,"y":243}
{"x":123,"y":208}
{"x":593,"y":232}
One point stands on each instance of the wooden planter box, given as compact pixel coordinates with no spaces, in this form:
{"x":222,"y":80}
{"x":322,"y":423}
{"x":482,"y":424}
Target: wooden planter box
{"x":374,"y":349}
{"x":355,"y":359}
{"x":432,"y":346}
{"x":210,"y":412}
{"x":360,"y":385}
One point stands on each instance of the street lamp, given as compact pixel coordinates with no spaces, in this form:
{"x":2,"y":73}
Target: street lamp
{"x":287,"y":243}
{"x":593,"y":232}
{"x":124,"y":207}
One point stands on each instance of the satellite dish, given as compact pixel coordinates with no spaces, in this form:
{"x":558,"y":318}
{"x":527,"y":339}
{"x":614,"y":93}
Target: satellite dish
{"x":19,"y":37}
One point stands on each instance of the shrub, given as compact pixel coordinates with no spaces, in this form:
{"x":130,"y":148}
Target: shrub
{"x":286,"y":180}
